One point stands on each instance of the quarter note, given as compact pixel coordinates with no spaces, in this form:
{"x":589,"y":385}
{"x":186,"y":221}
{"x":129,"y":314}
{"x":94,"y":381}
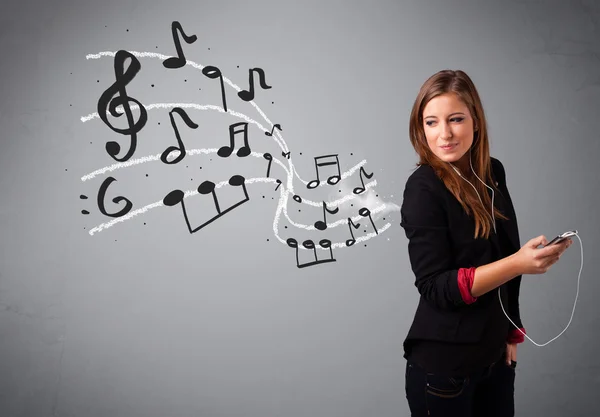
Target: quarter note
{"x":365,"y":212}
{"x":179,"y":61}
{"x":181,"y":148}
{"x":249,"y":95}
{"x":334,"y":179}
{"x":278,"y":126}
{"x":351,"y":224}
{"x":116,"y":200}
{"x":269,"y":158}
{"x":225,"y":151}
{"x":309,"y":244}
{"x":207,"y":187}
{"x":322,"y":225}
{"x":359,"y":190}
{"x":212,"y":73}
{"x":106,"y":101}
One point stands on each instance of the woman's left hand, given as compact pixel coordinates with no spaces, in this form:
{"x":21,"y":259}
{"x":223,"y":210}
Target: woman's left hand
{"x":511,"y":353}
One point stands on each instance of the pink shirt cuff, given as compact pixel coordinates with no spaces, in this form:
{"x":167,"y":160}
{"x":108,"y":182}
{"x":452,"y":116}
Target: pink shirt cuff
{"x":465,"y":282}
{"x":515,"y":336}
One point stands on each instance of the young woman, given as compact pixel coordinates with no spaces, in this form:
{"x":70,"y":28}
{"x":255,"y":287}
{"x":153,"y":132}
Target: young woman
{"x":467,"y":259}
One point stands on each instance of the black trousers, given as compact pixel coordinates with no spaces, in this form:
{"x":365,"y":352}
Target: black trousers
{"x":488,"y":392}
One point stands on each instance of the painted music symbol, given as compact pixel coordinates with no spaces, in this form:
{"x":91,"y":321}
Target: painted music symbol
{"x":180,"y":148}
{"x":249,"y":95}
{"x":286,"y":154}
{"x":350,"y":242}
{"x":106,"y":101}
{"x":278,"y":126}
{"x":365,"y":212}
{"x":334,"y":179}
{"x":212,"y":73}
{"x":309,"y":244}
{"x":225,"y":151}
{"x":269,"y":158}
{"x":178,"y":61}
{"x":322,"y":225}
{"x":207,"y":187}
{"x":359,"y":190}
{"x":116,"y":200}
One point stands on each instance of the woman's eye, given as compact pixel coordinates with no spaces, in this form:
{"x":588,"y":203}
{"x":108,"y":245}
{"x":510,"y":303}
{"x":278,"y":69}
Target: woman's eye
{"x":456,"y":119}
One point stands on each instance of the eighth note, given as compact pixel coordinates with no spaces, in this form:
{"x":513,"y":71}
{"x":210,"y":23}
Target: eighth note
{"x":207,"y":187}
{"x":322,"y":225}
{"x":179,"y":61}
{"x":351,"y":224}
{"x":278,"y":126}
{"x":181,"y":147}
{"x":225,"y":151}
{"x":359,"y":190}
{"x":249,"y":95}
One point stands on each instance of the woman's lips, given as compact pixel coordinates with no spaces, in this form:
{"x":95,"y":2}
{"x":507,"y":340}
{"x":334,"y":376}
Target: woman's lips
{"x":449,"y":147}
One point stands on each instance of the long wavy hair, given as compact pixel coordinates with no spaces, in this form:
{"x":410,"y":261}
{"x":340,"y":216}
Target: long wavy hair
{"x":458,"y":82}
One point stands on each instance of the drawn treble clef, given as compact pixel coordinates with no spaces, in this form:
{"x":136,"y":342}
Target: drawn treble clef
{"x":107,"y":101}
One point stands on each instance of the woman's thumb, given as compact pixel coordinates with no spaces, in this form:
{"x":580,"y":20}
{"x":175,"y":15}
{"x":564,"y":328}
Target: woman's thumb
{"x":540,"y":240}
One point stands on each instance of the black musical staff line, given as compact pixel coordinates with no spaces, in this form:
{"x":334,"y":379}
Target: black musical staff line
{"x":242,"y":152}
{"x":181,"y":147}
{"x":249,"y":95}
{"x":365,"y":212}
{"x":207,"y":187}
{"x":359,"y":190}
{"x":322,"y":225}
{"x":116,"y":200}
{"x":309,"y":244}
{"x":352,"y":241}
{"x":212,"y":73}
{"x":106,"y":101}
{"x":178,"y":61}
{"x":269,"y":158}
{"x":334,"y":179}
{"x":278,"y":126}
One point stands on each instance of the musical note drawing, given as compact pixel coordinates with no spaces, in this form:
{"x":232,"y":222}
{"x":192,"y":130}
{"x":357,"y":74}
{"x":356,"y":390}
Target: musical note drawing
{"x":212,"y":73}
{"x":278,"y":126}
{"x":179,"y":61}
{"x":116,"y":200}
{"x":249,"y":95}
{"x":244,"y":151}
{"x":322,"y":225}
{"x":331,"y":180}
{"x":207,"y":187}
{"x":359,"y":190}
{"x":286,"y":154}
{"x":350,"y":242}
{"x":297,"y":198}
{"x":107,"y":101}
{"x":269,"y":158}
{"x":365,"y":212}
{"x":181,"y":147}
{"x":278,"y":184}
{"x":309,"y":244}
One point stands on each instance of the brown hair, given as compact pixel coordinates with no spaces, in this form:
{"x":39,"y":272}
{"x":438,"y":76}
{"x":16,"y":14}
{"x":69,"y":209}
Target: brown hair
{"x":458,"y":82}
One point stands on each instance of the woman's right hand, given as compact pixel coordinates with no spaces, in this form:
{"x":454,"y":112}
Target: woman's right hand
{"x":538,"y":261}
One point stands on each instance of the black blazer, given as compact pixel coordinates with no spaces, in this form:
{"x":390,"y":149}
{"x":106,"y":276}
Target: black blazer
{"x":441,"y":241}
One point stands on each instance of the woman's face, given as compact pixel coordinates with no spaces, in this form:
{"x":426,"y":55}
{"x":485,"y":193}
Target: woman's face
{"x":447,"y":121}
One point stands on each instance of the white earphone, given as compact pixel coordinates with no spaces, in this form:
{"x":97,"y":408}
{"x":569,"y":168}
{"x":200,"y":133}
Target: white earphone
{"x":494,"y":223}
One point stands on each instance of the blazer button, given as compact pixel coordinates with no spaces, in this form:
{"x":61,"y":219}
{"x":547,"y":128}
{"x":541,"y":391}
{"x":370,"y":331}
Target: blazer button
{"x":496,"y":182}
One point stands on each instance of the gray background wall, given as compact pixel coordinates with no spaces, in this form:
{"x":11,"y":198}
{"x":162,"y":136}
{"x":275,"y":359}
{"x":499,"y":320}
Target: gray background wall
{"x":146,"y":319}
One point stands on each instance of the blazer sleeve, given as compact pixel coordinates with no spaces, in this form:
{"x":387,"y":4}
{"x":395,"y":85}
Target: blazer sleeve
{"x":425,"y":223}
{"x":513,"y":286}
